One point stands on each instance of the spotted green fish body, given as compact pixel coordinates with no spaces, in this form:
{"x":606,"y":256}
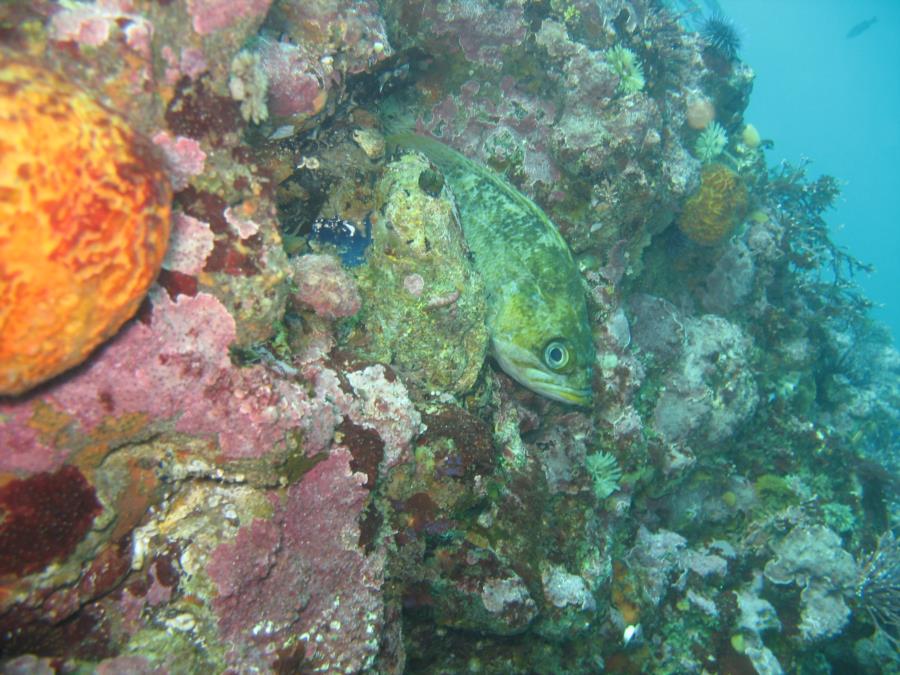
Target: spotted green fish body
{"x":537,"y":316}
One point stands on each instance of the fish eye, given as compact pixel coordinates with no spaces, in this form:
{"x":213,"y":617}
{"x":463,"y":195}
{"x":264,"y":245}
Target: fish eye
{"x":556,"y":354}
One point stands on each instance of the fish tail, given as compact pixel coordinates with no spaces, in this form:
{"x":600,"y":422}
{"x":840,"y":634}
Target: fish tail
{"x":431,"y":148}
{"x":445,"y":157}
{"x":398,"y":125}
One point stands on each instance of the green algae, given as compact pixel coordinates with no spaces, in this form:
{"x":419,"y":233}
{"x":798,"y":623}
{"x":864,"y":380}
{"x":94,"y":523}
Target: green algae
{"x":423,"y":307}
{"x":774,"y":493}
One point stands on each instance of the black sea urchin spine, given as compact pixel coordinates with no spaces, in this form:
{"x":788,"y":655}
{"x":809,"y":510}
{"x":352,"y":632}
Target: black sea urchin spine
{"x":720,"y":34}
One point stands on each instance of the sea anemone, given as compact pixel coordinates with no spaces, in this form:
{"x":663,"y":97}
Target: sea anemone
{"x":721,"y":35}
{"x":605,"y":473}
{"x":711,"y":143}
{"x":628,"y":68}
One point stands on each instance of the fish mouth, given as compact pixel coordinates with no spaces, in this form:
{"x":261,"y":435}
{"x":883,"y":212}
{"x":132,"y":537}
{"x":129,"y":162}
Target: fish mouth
{"x":524,"y":369}
{"x":580,"y":397}
{"x":565,"y":394}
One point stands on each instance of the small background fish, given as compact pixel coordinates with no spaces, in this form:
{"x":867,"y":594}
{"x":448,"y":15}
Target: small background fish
{"x":861,"y":27}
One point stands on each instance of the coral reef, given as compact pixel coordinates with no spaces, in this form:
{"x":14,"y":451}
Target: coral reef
{"x":812,"y":557}
{"x":298,"y":456}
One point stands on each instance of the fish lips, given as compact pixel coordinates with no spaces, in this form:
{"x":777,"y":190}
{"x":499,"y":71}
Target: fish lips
{"x":580,"y":397}
{"x":525,"y":369}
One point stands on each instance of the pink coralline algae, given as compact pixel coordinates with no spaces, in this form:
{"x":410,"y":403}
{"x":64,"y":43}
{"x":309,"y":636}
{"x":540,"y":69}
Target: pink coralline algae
{"x":322,"y":43}
{"x":293,"y":82}
{"x":209,"y":16}
{"x":731,"y":281}
{"x":710,"y":392}
{"x":242,"y":227}
{"x":509,"y":599}
{"x":594,"y":129}
{"x":190,"y":244}
{"x":128,"y":665}
{"x":325,"y":287}
{"x":522,"y":121}
{"x":303,"y":572}
{"x":657,"y":326}
{"x":481,"y":29}
{"x":352,"y":30}
{"x":383,"y":404}
{"x":90,"y":24}
{"x":184,"y":158}
{"x":192,"y":63}
{"x":177,"y":371}
{"x":137,"y":597}
{"x":29,"y":664}
{"x":23,"y":451}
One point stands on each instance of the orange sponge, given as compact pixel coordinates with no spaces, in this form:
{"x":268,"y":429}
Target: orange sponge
{"x":84,"y":223}
{"x":711,"y":213}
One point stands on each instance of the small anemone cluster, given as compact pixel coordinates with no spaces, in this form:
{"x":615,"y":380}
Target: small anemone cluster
{"x":627,"y":66}
{"x":711,"y":143}
{"x":248,"y":84}
{"x":605,"y":473}
{"x":721,"y":35}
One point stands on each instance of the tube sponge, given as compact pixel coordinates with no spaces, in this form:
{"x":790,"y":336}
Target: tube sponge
{"x":84,"y":223}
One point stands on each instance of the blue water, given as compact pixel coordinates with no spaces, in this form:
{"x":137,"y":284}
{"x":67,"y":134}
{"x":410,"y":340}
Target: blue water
{"x":835,"y":101}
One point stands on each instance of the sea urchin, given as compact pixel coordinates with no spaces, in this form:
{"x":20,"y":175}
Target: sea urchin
{"x":721,"y":35}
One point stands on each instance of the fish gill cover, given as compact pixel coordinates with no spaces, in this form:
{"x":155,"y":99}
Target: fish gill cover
{"x":307,"y":452}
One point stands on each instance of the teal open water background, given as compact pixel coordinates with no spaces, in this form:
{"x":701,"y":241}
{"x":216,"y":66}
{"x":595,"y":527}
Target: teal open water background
{"x":836,"y":101}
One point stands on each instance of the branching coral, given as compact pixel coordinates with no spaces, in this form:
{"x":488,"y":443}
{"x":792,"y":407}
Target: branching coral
{"x":827,"y":269}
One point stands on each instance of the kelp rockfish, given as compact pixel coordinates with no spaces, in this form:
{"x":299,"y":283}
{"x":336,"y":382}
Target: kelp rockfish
{"x":537,"y":315}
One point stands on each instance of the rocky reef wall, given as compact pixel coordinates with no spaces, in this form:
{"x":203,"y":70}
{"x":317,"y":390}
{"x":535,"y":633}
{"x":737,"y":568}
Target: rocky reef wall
{"x":298,"y":454}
